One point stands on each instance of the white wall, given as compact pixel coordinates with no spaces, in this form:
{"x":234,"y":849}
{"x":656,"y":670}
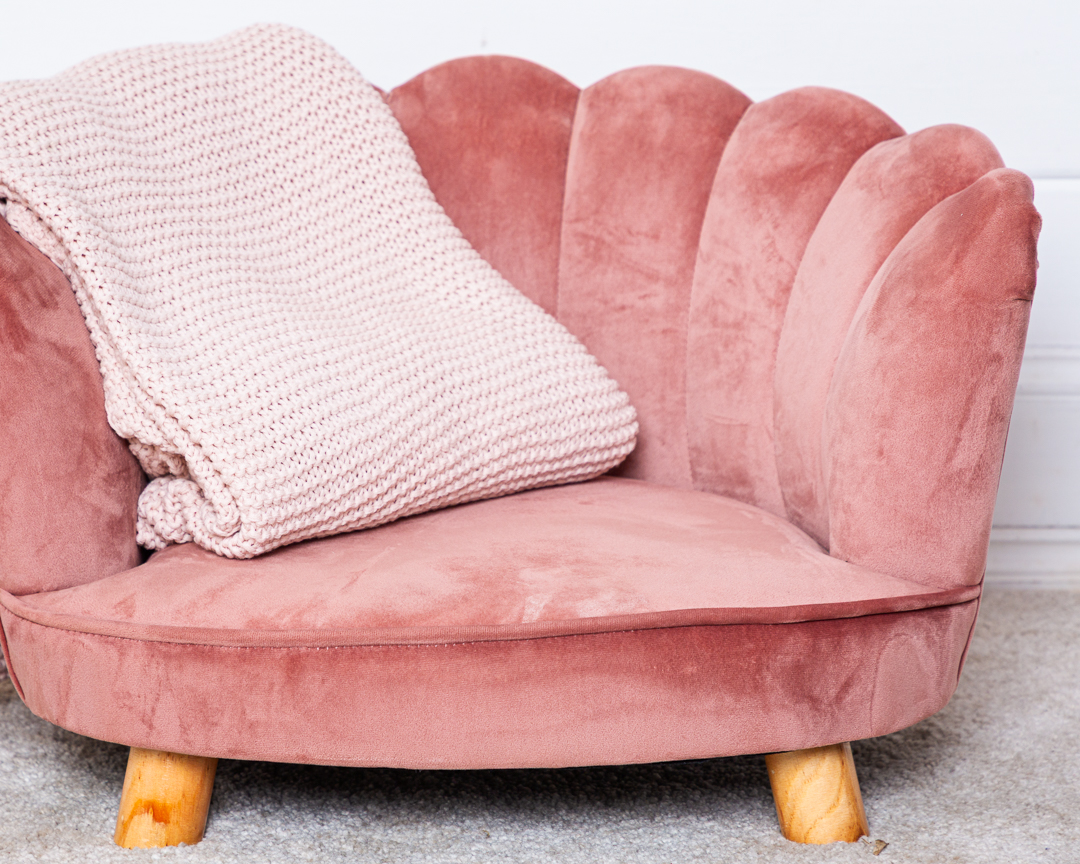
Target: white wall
{"x":1011,"y":69}
{"x":1008,"y":68}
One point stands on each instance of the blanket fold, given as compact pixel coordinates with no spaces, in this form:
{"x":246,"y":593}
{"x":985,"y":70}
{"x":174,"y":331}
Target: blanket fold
{"x":294,"y":338}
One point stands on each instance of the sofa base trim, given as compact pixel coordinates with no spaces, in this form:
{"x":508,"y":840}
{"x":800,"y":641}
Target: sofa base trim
{"x":609,"y":698}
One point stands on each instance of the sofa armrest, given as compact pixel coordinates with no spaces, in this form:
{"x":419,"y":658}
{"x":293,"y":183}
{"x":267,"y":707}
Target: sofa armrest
{"x":69,"y":486}
{"x":920,"y":401}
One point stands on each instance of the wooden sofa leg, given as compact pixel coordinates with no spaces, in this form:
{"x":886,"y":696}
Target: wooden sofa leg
{"x":817,"y":795}
{"x":165,"y":799}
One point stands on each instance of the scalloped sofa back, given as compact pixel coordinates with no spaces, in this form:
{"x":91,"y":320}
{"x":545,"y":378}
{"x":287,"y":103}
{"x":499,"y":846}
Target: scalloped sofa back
{"x":817,"y":316}
{"x":754,"y":275}
{"x":787,"y":290}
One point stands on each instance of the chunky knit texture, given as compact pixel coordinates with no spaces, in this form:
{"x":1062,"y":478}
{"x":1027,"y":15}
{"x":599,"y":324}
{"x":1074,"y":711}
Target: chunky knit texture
{"x":294,"y":337}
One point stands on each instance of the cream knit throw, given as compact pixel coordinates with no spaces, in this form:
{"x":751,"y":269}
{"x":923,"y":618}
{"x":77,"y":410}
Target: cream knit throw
{"x":294,"y":337}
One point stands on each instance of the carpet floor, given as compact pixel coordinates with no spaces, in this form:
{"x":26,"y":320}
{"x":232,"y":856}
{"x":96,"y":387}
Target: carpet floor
{"x":994,"y":777}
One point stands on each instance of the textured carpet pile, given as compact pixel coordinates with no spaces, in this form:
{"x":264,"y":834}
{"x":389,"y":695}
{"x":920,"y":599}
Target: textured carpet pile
{"x":994,"y":777}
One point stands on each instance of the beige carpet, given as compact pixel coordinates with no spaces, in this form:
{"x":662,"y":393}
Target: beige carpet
{"x":995,"y":777}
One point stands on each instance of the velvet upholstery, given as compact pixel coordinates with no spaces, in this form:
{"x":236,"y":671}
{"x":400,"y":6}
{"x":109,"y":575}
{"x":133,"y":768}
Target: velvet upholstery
{"x":886,"y":192}
{"x":68,"y":484}
{"x":493,"y":134}
{"x":918,"y":412}
{"x":636,"y":694}
{"x":644,"y":149}
{"x":784,"y":162}
{"x":591,"y":551}
{"x":818,"y":318}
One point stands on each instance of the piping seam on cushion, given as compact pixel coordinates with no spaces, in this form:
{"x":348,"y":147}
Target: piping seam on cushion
{"x":464,"y":634}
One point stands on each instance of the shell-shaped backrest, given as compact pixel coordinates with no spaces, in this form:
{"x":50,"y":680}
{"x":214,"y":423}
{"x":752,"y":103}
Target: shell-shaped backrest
{"x":784,"y":162}
{"x":644,"y":150}
{"x":713,"y":254}
{"x":492,"y":135}
{"x":886,"y":192}
{"x":811,"y":312}
{"x":919,"y":405}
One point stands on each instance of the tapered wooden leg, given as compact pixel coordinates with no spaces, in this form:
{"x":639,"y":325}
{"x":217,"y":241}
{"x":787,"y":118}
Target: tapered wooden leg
{"x":165,"y":799}
{"x":817,"y":795}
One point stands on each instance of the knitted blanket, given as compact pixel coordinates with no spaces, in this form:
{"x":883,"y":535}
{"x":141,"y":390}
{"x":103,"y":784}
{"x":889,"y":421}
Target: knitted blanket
{"x":294,"y":338}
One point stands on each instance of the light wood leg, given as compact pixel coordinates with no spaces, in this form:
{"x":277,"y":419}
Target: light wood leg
{"x":817,"y":795}
{"x":165,"y":799}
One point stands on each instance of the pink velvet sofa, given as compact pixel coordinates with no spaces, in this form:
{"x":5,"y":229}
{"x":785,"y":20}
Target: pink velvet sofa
{"x":820,"y":321}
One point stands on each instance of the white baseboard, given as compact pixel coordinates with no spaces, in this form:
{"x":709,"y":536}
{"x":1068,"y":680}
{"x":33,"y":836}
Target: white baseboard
{"x":1040,"y":479}
{"x":1034,"y":558}
{"x":1040,"y":476}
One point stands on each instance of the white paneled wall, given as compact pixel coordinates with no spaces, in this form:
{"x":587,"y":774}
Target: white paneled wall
{"x":1008,"y":67}
{"x":1036,"y":537}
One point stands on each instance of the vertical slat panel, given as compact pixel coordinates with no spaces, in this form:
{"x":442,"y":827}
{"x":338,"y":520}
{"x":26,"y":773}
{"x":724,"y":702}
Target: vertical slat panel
{"x":784,"y":162}
{"x":645,"y":146}
{"x":492,"y":135}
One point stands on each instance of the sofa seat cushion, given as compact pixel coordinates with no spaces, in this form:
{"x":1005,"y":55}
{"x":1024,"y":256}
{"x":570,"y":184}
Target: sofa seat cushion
{"x":603,"y":622}
{"x":542,"y":561}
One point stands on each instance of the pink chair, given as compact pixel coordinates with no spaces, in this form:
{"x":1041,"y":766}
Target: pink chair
{"x":820,"y":321}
